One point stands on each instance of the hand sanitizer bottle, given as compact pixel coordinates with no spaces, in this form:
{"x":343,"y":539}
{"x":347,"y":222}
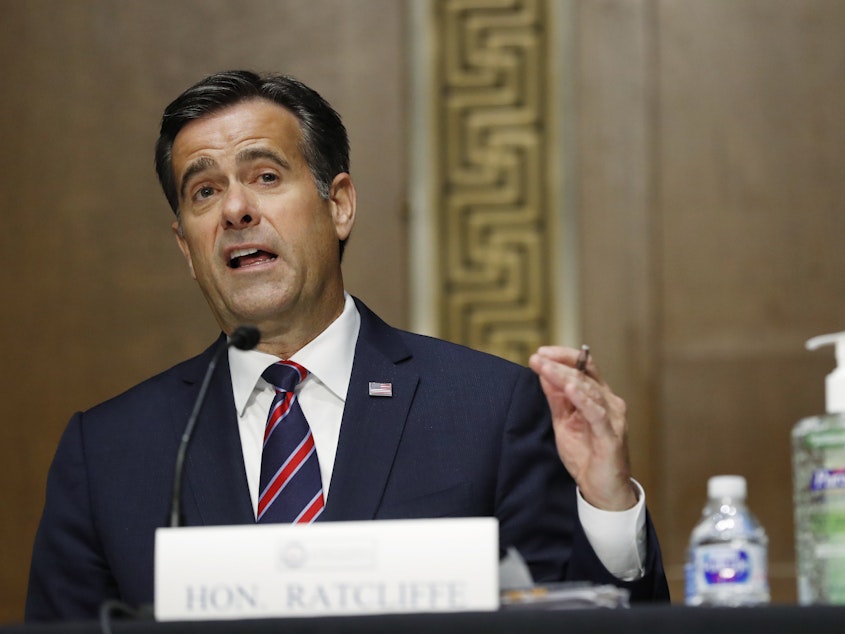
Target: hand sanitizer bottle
{"x":818,"y":468}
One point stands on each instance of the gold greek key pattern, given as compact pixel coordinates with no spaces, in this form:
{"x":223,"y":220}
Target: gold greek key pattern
{"x":493,"y":219}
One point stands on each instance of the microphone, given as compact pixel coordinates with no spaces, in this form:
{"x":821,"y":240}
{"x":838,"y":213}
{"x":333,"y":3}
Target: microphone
{"x":244,"y":338}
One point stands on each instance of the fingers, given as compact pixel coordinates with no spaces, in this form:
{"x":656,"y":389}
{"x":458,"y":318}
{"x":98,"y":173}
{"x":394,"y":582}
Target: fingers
{"x":590,"y":426}
{"x":558,"y":354}
{"x":569,"y":390}
{"x":556,"y":367}
{"x":558,"y":364}
{"x":594,"y":405}
{"x":589,"y":402}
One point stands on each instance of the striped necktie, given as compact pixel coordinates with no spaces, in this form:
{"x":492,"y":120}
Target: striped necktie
{"x":290,"y":488}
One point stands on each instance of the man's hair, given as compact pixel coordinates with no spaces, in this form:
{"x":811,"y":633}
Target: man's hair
{"x":323,"y":143}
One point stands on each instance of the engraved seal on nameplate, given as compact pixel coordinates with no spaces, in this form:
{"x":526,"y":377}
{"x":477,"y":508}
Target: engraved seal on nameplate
{"x":293,"y":555}
{"x":314,"y":555}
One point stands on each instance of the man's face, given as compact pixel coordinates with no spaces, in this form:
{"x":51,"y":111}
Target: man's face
{"x":258,"y":238}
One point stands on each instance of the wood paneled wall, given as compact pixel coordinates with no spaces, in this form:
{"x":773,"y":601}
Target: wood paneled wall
{"x":97,"y":295}
{"x":711,"y":144}
{"x":708,"y":142}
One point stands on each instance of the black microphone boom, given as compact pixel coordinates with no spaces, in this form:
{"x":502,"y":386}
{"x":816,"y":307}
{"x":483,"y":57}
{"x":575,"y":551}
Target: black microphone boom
{"x":243,"y":338}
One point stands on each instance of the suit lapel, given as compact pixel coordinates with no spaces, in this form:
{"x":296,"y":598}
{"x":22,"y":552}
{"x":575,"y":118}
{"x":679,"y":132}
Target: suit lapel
{"x":215,"y":490}
{"x":214,"y":485}
{"x":372,"y":425}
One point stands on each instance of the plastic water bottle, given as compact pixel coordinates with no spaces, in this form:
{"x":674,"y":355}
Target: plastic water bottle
{"x":727,"y":560}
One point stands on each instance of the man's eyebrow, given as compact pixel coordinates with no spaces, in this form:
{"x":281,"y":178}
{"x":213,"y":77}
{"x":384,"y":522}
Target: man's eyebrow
{"x":245,"y":156}
{"x":257,"y":154}
{"x":200,"y":165}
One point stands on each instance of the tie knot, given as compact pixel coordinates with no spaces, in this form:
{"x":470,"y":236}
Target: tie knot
{"x":285,"y":375}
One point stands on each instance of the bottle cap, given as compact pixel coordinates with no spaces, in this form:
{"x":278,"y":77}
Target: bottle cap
{"x":835,"y":381}
{"x":727,"y":486}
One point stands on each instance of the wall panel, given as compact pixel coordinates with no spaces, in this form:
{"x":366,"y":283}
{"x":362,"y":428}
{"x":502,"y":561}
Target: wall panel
{"x":711,"y":145}
{"x":97,"y":295}
{"x":706,"y":142}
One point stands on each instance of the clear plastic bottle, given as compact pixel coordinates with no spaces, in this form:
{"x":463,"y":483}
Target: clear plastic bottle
{"x":727,"y":560}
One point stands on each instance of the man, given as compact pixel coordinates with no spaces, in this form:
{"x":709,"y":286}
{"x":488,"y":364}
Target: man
{"x":256,"y":171}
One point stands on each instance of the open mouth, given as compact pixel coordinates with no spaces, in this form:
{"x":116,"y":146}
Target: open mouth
{"x":249,"y":257}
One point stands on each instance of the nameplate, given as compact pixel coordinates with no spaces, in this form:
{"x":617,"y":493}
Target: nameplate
{"x":326,"y":568}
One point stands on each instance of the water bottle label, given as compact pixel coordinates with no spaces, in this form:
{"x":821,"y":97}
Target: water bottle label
{"x":726,"y":566}
{"x":722,"y":565}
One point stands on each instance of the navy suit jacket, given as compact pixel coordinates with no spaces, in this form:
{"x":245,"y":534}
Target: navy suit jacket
{"x":464,"y":434}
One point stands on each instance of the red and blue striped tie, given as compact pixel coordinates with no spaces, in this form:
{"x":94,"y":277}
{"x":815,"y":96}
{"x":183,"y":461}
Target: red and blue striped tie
{"x":290,"y":488}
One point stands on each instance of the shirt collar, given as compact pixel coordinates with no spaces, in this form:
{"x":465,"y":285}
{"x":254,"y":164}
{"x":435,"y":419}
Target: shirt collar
{"x":328,"y":358}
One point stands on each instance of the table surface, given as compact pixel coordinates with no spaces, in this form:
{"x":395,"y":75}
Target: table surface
{"x":651,"y":619}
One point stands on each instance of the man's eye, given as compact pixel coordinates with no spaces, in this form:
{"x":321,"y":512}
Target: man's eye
{"x":268,"y":177}
{"x":204,"y":192}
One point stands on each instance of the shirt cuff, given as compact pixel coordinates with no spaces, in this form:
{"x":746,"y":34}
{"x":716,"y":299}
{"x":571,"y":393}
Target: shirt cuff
{"x":617,"y":537}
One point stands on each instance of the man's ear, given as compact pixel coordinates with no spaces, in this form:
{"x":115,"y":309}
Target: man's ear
{"x":183,"y":246}
{"x":342,"y":198}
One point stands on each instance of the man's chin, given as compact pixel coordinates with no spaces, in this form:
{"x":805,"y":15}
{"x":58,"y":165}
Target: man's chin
{"x":256,"y":311}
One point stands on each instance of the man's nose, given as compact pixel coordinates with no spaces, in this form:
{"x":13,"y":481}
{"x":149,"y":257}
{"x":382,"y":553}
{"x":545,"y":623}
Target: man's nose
{"x":239,"y":208}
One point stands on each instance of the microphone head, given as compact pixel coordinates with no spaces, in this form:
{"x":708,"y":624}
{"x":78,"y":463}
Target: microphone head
{"x":245,"y":337}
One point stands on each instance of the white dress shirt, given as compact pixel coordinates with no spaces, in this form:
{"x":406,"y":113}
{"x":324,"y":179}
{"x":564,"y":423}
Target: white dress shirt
{"x":618,"y":538}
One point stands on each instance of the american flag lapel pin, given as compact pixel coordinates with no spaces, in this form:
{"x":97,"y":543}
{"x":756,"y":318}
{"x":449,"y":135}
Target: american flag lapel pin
{"x":381,"y":389}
